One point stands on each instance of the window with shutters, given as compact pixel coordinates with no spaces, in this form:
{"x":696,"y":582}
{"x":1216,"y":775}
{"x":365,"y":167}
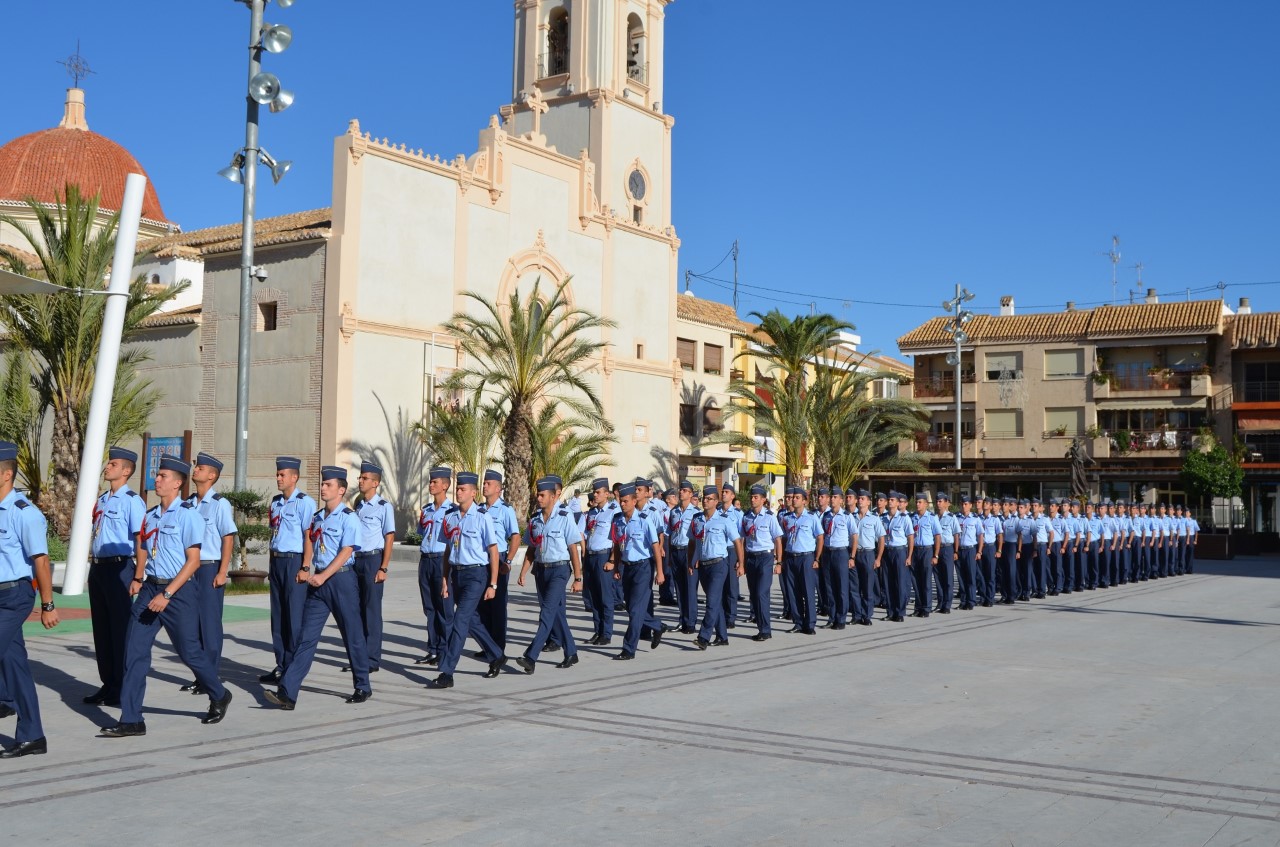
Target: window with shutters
{"x":998,"y":363}
{"x":712,"y":420}
{"x":1064,"y":421}
{"x":1063,"y":363}
{"x":712,"y":358}
{"x":1003,"y":423}
{"x":686,"y":352}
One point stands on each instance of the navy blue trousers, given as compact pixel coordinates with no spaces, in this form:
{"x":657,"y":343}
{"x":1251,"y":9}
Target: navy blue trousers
{"x":287,"y":597}
{"x":798,"y":570}
{"x":966,"y":574}
{"x":686,"y":586}
{"x":1009,"y":572}
{"x":340,"y":597}
{"x":210,"y":600}
{"x":943,"y":572}
{"x":637,"y":584}
{"x":759,"y":571}
{"x":493,"y":613}
{"x":668,"y":591}
{"x":863,"y":585}
{"x":437,"y":608}
{"x":467,"y":587}
{"x":181,"y":621}
{"x":922,"y":577}
{"x":986,"y":577}
{"x":551,"y":582}
{"x":366,"y":568}
{"x":711,"y":575}
{"x":19,"y":687}
{"x":835,"y":574}
{"x":894,"y":568}
{"x":1040,"y":568}
{"x":1093,"y":565}
{"x":600,"y":588}
{"x":731,"y":586}
{"x":109,"y":603}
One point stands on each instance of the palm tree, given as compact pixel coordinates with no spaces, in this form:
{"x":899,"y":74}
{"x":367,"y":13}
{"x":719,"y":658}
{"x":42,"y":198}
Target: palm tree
{"x":855,"y":433}
{"x":61,"y":333}
{"x":21,"y":417}
{"x":572,"y":449}
{"x":528,"y":352}
{"x":785,"y":416}
{"x":789,"y":346}
{"x":463,"y":435}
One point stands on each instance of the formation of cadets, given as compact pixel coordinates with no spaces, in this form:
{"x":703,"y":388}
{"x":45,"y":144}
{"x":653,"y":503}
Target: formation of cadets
{"x":837,"y":558}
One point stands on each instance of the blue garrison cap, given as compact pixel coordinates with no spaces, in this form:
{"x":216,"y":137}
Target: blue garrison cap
{"x":862,"y":492}
{"x":627,"y":488}
{"x":684,"y":483}
{"x":600,"y":482}
{"x":468,"y":478}
{"x":1035,"y":501}
{"x":201,"y":459}
{"x":823,"y":490}
{"x":920,"y":495}
{"x":544,"y":484}
{"x":710,"y":491}
{"x":556,"y":479}
{"x":669,"y":492}
{"x":8,"y":451}
{"x":880,"y":495}
{"x":796,"y":489}
{"x":121,"y":453}
{"x":173,"y":463}
{"x":492,"y":476}
{"x":370,"y":467}
{"x":333,"y":472}
{"x":964,"y":498}
{"x":758,"y":489}
{"x":288,"y":463}
{"x":728,"y":486}
{"x":942,"y":495}
{"x":441,"y":473}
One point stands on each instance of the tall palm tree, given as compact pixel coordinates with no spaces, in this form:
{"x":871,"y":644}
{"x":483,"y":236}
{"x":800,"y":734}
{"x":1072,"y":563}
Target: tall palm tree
{"x":789,"y":346}
{"x":572,"y":449}
{"x":528,"y":352}
{"x":61,"y":332}
{"x":855,"y":433}
{"x":785,"y":416}
{"x":463,"y":435}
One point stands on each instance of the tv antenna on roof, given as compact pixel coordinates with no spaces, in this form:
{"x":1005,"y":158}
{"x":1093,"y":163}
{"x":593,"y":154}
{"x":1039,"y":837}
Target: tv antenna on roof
{"x":1114,"y":255}
{"x":77,"y":66}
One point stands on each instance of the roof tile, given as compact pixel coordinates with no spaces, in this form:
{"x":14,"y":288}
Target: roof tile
{"x":711,"y":313}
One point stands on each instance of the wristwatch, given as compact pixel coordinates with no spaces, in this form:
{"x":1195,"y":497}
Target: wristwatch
{"x":139,"y":580}
{"x":384,"y":570}
{"x":47,"y":607}
{"x":494,"y":586}
{"x":168,"y":595}
{"x":305,"y":570}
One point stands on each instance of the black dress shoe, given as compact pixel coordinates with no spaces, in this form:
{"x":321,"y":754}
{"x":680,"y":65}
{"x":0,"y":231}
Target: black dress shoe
{"x":796,"y":628}
{"x":837,"y":626}
{"x":987,"y":604}
{"x":281,"y":699}
{"x":624,"y":656}
{"x":190,"y":687}
{"x":720,"y":642}
{"x":807,"y":631}
{"x":593,"y":640}
{"x":829,"y":625}
{"x":217,"y":709}
{"x":688,"y":630}
{"x":271,"y":678}
{"x":97,"y":698}
{"x":604,"y":642}
{"x":526,"y":664}
{"x":896,"y":618}
{"x":731,"y":625}
{"x":478,"y":655}
{"x":657,"y":638}
{"x":569,"y":661}
{"x":761,"y":636}
{"x":359,"y":696}
{"x":701,"y":643}
{"x":428,"y":659}
{"x":944,"y":611}
{"x":37,"y":747}
{"x":495,"y":667}
{"x":6,"y":712}
{"x":124,"y":730}
{"x":444,"y":680}
{"x":551,"y":647}
{"x":347,"y":669}
{"x":865,"y":622}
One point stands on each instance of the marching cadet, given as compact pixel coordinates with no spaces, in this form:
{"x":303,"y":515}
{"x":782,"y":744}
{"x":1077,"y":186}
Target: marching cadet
{"x":928,"y":543}
{"x":1026,"y":550}
{"x":680,"y":568}
{"x":471,"y":543}
{"x":762,"y":543}
{"x":216,"y":547}
{"x":493,"y":613}
{"x":1043,"y":538}
{"x":171,"y":535}
{"x":1009,"y":552}
{"x":948,"y":530}
{"x":1080,"y":570}
{"x":552,"y":537}
{"x":117,"y":519}
{"x":639,"y":549}
{"x":713,"y":532}
{"x":1057,"y":543}
{"x":436,"y":606}
{"x":970,"y":539}
{"x":649,"y":509}
{"x":1124,"y":534}
{"x":24,"y":556}
{"x":899,"y":550}
{"x":372,"y":562}
{"x":786,"y":519}
{"x":1107,"y":557}
{"x":729,"y":505}
{"x":333,"y":538}
{"x":992,"y":534}
{"x":1193,"y":535}
{"x":1138,"y":557}
{"x":598,"y":570}
{"x":803,"y":546}
{"x":1176,"y":534}
{"x":869,"y":540}
{"x":838,"y":530}
{"x":290,"y":514}
{"x":821,"y":498}
{"x":1093,"y":529}
{"x":882,"y":512}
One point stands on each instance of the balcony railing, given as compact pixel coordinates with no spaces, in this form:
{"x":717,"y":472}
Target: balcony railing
{"x":1257,"y":392}
{"x":1163,"y":381}
{"x":552,"y":64}
{"x":1267,"y":450}
{"x":933,"y":443}
{"x":1126,"y":442}
{"x":638,"y":72}
{"x":939,"y":385}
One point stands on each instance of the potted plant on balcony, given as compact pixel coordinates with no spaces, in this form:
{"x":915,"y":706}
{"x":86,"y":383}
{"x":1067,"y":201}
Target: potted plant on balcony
{"x":1094,"y":431}
{"x":1100,"y":377}
{"x":1060,"y":431}
{"x":1162,"y":376}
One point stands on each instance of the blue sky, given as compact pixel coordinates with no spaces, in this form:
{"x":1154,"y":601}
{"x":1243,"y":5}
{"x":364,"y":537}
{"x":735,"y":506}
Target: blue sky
{"x":858,"y":151}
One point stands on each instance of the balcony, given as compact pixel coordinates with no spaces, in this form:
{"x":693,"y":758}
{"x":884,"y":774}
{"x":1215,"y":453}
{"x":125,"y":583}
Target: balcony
{"x":638,"y":72}
{"x":943,"y":387}
{"x":552,"y":64}
{"x":1163,"y":441}
{"x":1256,"y":392}
{"x":1160,"y":383}
{"x":935,"y":443}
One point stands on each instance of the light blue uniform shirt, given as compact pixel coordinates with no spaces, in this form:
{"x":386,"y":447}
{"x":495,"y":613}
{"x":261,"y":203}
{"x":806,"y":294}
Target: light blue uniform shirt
{"x":289,"y":520}
{"x":117,"y":519}
{"x":23,"y":536}
{"x":599,"y":525}
{"x":712,"y":536}
{"x":760,"y":530}
{"x":549,"y":538}
{"x":1042,"y":528}
{"x":991,"y":527}
{"x":679,"y":520}
{"x":1181,"y":524}
{"x":1012,"y":530}
{"x":1193,"y":527}
{"x":168,"y":534}
{"x":504,"y":521}
{"x":926,"y":528}
{"x":1149,"y":527}
{"x":215,"y":510}
{"x":330,"y":533}
{"x":1166,"y":526}
{"x":838,"y":527}
{"x":870,"y":531}
{"x":654,"y":515}
{"x":969,"y":528}
{"x":1108,"y":528}
{"x":377,"y":518}
{"x":429,"y":524}
{"x":948,"y":527}
{"x":468,"y":536}
{"x":636,"y":536}
{"x":897,"y":530}
{"x":803,"y":534}
{"x":1059,"y":526}
{"x":1094,"y":527}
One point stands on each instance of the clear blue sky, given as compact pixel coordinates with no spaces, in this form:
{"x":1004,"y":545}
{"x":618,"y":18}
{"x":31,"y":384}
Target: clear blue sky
{"x":858,"y":151}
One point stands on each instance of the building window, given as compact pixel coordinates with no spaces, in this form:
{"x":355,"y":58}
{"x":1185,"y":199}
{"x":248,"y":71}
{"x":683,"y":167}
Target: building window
{"x":884,"y":389}
{"x":688,"y":420}
{"x":1003,"y":423}
{"x":1064,"y":421}
{"x":686,"y":352}
{"x":713,"y":358}
{"x":267,"y":317}
{"x":999,"y":363}
{"x":637,"y":67}
{"x":557,"y":56}
{"x":1063,"y":363}
{"x":639,"y":351}
{"x":637,"y":214}
{"x":712,"y":420}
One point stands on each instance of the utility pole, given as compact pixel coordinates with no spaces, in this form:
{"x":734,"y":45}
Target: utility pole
{"x":959,"y":317}
{"x":735,"y":275}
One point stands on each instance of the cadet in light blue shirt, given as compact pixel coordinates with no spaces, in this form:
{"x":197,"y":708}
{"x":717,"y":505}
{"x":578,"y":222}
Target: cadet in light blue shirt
{"x":332,"y":589}
{"x":436,"y":606}
{"x":24,"y":554}
{"x":553,"y":541}
{"x":215,"y":556}
{"x":803,"y":548}
{"x":290,"y":515}
{"x":493,"y":613}
{"x":967,"y":553}
{"x":603,"y":588}
{"x":377,"y":534}
{"x":117,"y":516}
{"x":639,"y":548}
{"x":928,"y":545}
{"x":869,"y":533}
{"x":944,"y":567}
{"x":714,"y":533}
{"x":838,"y":529}
{"x":681,"y":586}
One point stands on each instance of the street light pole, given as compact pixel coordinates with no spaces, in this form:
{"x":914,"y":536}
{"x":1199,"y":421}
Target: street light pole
{"x":960,"y":317}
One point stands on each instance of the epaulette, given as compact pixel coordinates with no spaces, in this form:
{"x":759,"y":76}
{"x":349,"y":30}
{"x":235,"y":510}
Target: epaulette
{"x":318,"y":513}
{"x":133,"y":493}
{"x":347,"y":510}
{"x":187,"y":504}
{"x":379,"y":502}
{"x":22,"y":504}
{"x":277,"y":497}
{"x":216,"y":495}
{"x":298,"y":495}
{"x":452,"y":509}
{"x":564,"y":513}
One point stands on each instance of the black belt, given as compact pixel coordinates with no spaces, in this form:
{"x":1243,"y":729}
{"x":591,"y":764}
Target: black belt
{"x":458,"y":567}
{"x":280,"y":555}
{"x":561,"y":563}
{"x":968,"y":546}
{"x":367,"y":553}
{"x":5,"y":586}
{"x":340,"y":570}
{"x":714,"y":561}
{"x":155,"y":580}
{"x":679,"y":546}
{"x":111,"y":560}
{"x":948,"y":544}
{"x":210,"y":561}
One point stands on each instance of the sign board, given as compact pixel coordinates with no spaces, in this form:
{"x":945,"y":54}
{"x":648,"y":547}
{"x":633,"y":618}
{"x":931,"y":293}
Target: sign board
{"x":156,"y":447}
{"x":761,"y":468}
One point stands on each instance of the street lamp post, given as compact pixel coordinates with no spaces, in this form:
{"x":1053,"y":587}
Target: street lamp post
{"x":264,"y":90}
{"x":955,"y":327}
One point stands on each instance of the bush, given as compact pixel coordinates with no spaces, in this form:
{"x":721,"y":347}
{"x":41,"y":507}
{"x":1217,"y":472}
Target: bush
{"x":57,"y":548}
{"x":412,"y":539}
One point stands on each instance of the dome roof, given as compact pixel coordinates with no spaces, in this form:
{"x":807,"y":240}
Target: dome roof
{"x":40,"y":165}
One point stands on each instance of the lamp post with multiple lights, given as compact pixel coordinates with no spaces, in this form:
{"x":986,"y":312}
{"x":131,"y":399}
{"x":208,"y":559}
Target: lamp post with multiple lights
{"x":264,"y":90}
{"x":955,"y":327}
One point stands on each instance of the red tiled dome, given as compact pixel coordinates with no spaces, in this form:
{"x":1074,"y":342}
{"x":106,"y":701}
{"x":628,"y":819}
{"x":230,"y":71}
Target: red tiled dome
{"x":41,"y":164}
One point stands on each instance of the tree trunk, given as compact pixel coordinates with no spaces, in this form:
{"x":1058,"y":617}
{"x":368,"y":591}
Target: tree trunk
{"x":58,"y":501}
{"x":517,"y":459}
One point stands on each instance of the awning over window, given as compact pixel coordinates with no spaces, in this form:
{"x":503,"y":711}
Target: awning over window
{"x":1259,"y":422}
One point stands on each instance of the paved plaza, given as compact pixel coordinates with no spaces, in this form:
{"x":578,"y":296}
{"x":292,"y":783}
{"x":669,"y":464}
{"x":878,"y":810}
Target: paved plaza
{"x":1141,"y":715}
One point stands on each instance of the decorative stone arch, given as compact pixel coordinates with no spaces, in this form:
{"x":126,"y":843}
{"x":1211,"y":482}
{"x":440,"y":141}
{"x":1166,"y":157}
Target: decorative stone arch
{"x":533,"y":262}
